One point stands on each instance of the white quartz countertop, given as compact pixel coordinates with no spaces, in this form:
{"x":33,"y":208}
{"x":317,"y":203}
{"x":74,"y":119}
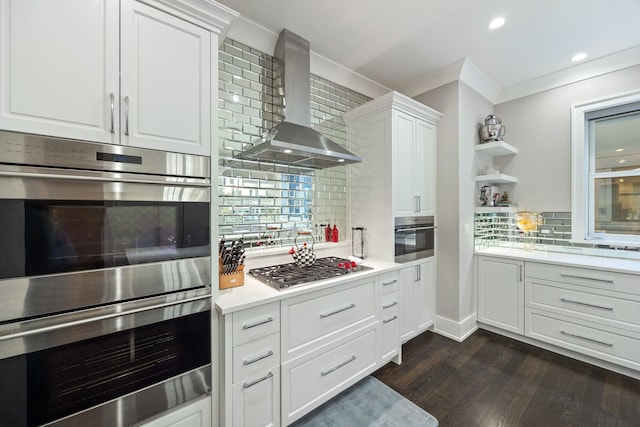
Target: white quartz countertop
{"x":619,"y":265}
{"x":255,"y":292}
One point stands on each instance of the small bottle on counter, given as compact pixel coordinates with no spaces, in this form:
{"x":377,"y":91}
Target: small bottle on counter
{"x":334,"y":234}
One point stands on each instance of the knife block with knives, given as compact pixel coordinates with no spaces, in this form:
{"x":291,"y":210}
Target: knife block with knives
{"x":230,"y":264}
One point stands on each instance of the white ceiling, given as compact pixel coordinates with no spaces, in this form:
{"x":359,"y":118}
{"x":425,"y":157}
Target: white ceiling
{"x":397,"y":43}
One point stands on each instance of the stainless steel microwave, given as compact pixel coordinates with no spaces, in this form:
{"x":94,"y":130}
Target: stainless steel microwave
{"x":414,"y":238}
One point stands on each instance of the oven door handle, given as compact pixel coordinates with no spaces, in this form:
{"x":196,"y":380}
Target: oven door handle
{"x":408,"y":230}
{"x":12,"y":343}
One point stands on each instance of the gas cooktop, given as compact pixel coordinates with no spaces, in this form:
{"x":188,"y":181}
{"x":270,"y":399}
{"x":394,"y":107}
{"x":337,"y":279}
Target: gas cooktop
{"x":286,"y":275}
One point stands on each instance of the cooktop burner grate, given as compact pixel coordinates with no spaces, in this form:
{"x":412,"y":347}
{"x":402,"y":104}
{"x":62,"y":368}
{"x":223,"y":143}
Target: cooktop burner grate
{"x":286,"y":275}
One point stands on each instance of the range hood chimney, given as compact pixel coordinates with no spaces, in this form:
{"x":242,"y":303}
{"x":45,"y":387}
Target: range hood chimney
{"x":294,"y":142}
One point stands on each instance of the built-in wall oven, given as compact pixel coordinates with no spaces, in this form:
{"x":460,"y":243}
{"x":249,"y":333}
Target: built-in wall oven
{"x":105,"y":282}
{"x":414,"y":238}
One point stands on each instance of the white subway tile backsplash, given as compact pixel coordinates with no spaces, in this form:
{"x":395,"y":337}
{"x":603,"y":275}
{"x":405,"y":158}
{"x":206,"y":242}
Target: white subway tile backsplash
{"x":276,"y":195}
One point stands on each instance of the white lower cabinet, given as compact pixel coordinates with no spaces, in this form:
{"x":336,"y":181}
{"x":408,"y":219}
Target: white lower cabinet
{"x":311,"y":380}
{"x":283,"y":359}
{"x":501,"y":293}
{"x":256,"y":400}
{"x":389,"y":306}
{"x":595,"y":313}
{"x":191,"y":414}
{"x":417,"y":298}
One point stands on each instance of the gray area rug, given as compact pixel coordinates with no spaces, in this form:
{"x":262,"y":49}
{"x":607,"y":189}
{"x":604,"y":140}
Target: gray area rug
{"x":369,"y":403}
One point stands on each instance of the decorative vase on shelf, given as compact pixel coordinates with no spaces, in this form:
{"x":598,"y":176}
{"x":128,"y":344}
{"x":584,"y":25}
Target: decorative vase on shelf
{"x":528,"y":221}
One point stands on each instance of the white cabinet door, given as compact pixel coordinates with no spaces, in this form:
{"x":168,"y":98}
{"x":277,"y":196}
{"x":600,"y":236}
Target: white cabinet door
{"x":404,"y":134}
{"x":408,"y":324}
{"x":196,"y":414}
{"x":256,"y":401}
{"x":501,"y":293}
{"x":417,"y":298}
{"x":166,"y":81}
{"x":59,"y":68}
{"x":424,"y":170}
{"x":425,"y":295}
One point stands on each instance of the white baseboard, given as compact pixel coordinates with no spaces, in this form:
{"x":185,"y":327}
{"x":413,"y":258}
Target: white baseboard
{"x":458,"y":331}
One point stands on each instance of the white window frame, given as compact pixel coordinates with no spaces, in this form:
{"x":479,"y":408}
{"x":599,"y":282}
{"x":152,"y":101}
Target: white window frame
{"x":582,"y":184}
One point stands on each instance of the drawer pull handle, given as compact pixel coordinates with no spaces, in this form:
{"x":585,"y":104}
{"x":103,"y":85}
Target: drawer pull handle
{"x":322,"y":316}
{"x":325,"y":373}
{"x":389,"y":283}
{"x":586,"y":304}
{"x":389,"y":320}
{"x":259,"y":380}
{"x":257,"y":359}
{"x":253,"y":325}
{"x":390,"y":305}
{"x":572,"y":276}
{"x":608,"y":344}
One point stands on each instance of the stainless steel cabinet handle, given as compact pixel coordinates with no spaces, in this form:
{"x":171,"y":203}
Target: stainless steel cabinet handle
{"x":417,"y":200}
{"x":586,"y":304}
{"x":112,"y":98}
{"x":325,"y":373}
{"x":126,"y":115}
{"x":408,"y":230}
{"x":393,"y":304}
{"x":257,"y":359}
{"x":253,"y":325}
{"x":322,"y":316}
{"x":389,"y":283}
{"x":608,"y":344}
{"x":389,"y":320}
{"x":520,"y":271}
{"x":586,"y":278}
{"x":418,"y":273}
{"x":259,"y":380}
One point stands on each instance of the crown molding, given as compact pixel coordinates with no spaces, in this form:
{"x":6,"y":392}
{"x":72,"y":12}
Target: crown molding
{"x":596,"y":67}
{"x":209,"y":14}
{"x":397,"y":101}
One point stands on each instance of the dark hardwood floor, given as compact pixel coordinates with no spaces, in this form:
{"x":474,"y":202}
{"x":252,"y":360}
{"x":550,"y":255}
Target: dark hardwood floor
{"x":491,"y":380}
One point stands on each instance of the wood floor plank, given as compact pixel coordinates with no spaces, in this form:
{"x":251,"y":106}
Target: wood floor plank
{"x":491,"y":380}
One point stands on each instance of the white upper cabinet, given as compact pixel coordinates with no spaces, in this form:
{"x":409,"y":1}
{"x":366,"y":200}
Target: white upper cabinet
{"x":112,"y":72}
{"x":165,"y":97}
{"x":414,"y":165}
{"x":59,"y":67}
{"x":396,"y":137}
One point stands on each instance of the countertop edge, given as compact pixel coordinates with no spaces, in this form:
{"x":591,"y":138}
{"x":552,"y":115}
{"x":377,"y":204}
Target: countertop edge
{"x":617,"y":265}
{"x":254,"y":293}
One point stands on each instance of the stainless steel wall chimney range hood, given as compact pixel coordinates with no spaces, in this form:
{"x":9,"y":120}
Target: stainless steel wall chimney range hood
{"x":294,"y":142}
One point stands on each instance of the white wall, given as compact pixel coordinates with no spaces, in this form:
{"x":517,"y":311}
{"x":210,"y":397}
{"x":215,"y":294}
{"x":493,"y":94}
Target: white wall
{"x":473,"y":109}
{"x":539,"y":126}
{"x":445,"y":100}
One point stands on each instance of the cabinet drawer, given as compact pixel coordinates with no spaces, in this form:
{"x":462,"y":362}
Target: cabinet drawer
{"x":390,"y":338}
{"x":584,"y":338}
{"x":598,"y":279}
{"x":256,"y":400}
{"x":255,"y":356}
{"x":388,"y":283}
{"x":389,"y":304}
{"x":310,"y":382}
{"x":313,"y":317}
{"x":256,"y":322}
{"x":597,"y":308}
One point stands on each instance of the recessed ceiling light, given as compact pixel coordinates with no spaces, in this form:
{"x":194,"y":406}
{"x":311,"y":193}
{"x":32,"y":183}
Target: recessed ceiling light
{"x":621,"y":161}
{"x":579,"y":57}
{"x":287,"y":151}
{"x":620,"y":149}
{"x":496,"y":23}
{"x":341,"y":160}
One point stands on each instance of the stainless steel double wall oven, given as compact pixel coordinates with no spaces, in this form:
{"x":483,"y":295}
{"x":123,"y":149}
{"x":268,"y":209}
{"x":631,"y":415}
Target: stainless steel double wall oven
{"x":105,"y":282}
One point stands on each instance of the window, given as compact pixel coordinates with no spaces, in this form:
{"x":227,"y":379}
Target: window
{"x":606,"y":171}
